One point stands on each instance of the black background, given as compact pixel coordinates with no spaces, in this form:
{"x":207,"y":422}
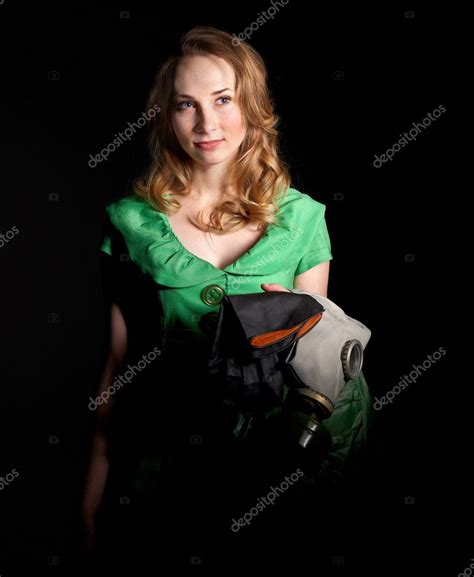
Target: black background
{"x":347,"y":81}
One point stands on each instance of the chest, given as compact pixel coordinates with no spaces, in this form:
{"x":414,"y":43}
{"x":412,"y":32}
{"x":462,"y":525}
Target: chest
{"x":221,"y":250}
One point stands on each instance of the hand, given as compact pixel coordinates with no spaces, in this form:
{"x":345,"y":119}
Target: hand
{"x":269,"y":287}
{"x":88,"y":526}
{"x":89,"y":537}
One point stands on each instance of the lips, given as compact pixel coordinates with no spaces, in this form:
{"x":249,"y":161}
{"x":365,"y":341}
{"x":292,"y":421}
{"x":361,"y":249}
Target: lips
{"x":208,"y":144}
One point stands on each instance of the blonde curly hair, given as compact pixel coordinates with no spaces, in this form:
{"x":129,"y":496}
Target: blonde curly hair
{"x":259,"y":176}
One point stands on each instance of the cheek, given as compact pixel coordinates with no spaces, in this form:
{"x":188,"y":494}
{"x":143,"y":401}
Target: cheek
{"x":235,"y":122}
{"x":175,"y":126}
{"x":179,"y":125}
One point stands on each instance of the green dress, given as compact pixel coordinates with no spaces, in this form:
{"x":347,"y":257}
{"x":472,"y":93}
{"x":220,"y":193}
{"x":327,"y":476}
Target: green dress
{"x":190,"y":290}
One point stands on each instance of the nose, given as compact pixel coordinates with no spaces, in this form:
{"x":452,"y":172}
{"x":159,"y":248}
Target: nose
{"x":206,"y":121}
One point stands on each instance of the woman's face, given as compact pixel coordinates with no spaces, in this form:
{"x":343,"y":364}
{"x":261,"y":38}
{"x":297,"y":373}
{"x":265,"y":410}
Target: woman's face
{"x":206,"y":116}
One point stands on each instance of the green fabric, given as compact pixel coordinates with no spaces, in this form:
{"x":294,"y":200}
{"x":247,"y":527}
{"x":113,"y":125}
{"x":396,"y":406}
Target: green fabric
{"x":298,"y":242}
{"x":349,"y":426}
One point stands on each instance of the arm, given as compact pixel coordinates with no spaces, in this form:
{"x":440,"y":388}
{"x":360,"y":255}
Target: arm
{"x":99,"y":465}
{"x":314,"y":280}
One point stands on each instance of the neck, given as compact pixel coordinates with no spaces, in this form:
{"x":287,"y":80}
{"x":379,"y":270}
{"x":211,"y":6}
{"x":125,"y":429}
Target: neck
{"x":208,"y":184}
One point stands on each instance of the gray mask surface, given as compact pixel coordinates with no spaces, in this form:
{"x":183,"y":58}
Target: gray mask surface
{"x":331,"y":353}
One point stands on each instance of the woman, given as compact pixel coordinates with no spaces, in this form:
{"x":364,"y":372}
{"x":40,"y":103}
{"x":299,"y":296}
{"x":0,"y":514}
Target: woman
{"x":214,"y":215}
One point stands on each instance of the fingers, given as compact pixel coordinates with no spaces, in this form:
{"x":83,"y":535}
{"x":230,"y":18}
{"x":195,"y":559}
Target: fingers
{"x":269,"y":287}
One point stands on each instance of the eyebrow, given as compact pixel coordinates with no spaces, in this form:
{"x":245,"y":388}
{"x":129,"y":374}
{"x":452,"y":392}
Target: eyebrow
{"x":212,"y":94}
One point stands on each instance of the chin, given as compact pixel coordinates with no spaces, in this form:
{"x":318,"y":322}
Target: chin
{"x":210,"y":159}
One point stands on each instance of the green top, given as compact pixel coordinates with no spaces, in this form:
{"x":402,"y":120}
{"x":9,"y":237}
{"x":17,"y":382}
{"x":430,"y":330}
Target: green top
{"x":298,"y":242}
{"x":191,"y":289}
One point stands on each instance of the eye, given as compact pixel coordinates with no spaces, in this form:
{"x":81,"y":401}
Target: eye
{"x":184,"y":105}
{"x":225,"y":98}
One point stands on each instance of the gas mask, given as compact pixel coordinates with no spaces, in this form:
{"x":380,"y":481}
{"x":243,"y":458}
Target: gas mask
{"x":265,"y":341}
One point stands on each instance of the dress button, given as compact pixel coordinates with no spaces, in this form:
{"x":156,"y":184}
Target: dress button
{"x":208,"y":322}
{"x":213,"y":294}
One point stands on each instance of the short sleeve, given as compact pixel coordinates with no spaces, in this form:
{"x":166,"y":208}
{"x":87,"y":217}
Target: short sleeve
{"x":112,"y":269}
{"x":316,"y":241}
{"x":107,"y":233}
{"x":106,"y":245}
